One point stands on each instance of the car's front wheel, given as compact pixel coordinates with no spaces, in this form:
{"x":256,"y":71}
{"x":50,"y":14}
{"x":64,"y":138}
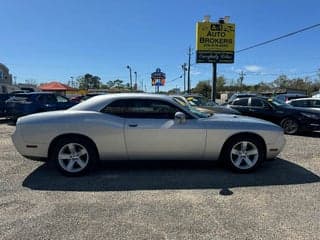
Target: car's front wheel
{"x":74,"y":156}
{"x":244,"y":153}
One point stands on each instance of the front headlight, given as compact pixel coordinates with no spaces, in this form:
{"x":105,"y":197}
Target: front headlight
{"x":311,"y":115}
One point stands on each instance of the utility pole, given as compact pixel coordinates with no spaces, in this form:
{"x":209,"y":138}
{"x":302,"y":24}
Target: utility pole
{"x":184,"y":69}
{"x":214,"y":82}
{"x":189,"y":63}
{"x":241,"y":78}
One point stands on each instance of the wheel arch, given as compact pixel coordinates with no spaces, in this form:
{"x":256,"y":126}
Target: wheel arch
{"x":70,"y":135}
{"x":250,"y":134}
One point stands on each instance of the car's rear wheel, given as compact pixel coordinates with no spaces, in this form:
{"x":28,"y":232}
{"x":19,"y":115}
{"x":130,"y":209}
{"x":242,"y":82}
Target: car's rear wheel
{"x":74,"y":157}
{"x":244,"y":153}
{"x":290,"y":126}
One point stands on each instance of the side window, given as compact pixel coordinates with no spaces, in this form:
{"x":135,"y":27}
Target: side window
{"x":138,"y":108}
{"x":256,"y":102}
{"x":315,"y":103}
{"x":42,"y":99}
{"x":61,"y":99}
{"x":241,"y":102}
{"x":118,"y":108}
{"x":300,"y":103}
{"x":51,"y":99}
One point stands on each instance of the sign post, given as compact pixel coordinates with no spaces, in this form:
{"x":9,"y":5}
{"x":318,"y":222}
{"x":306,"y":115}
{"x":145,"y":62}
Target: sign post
{"x":158,"y":79}
{"x":215,"y":44}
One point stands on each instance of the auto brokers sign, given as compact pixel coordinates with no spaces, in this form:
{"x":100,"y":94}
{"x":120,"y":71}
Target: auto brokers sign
{"x":215,"y":42}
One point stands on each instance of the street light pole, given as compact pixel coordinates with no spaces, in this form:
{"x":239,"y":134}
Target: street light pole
{"x":130,"y":75}
{"x":135,"y":81}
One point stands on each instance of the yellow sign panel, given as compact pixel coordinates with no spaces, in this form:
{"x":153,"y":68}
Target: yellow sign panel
{"x":215,"y":36}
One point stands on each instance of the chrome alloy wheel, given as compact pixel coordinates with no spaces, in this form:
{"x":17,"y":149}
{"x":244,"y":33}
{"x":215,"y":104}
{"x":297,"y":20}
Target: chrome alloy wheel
{"x":73,"y":157}
{"x":244,"y":155}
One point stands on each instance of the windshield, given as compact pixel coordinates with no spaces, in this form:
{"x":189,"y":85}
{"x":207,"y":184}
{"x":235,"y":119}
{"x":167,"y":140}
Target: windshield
{"x":279,"y":103}
{"x":191,"y":109}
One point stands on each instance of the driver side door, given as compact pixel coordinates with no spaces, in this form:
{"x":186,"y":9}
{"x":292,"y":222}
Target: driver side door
{"x":151,"y":132}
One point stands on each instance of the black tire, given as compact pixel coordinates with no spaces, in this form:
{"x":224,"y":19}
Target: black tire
{"x":290,"y":126}
{"x":253,"y":144}
{"x":82,"y":146}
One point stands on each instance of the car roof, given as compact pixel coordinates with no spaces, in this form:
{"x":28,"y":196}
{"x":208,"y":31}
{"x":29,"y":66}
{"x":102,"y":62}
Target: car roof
{"x":291,"y":94}
{"x":98,"y":102}
{"x":301,"y":99}
{"x":34,"y":93}
{"x":256,"y":97}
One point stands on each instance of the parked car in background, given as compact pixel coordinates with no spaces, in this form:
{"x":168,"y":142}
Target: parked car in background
{"x":240,"y":95}
{"x":3,"y":98}
{"x":202,"y":105}
{"x":78,"y":99}
{"x":291,"y":119}
{"x":194,"y":109}
{"x":27,"y":103}
{"x":144,"y":127}
{"x":316,"y":95}
{"x":284,"y":98}
{"x":305,"y":102}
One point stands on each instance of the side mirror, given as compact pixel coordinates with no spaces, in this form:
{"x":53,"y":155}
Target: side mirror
{"x":179,"y":117}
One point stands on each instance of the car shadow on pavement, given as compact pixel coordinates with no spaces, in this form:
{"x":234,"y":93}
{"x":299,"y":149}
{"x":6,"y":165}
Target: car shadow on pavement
{"x":310,"y":134}
{"x":157,"y":175}
{"x":7,"y":121}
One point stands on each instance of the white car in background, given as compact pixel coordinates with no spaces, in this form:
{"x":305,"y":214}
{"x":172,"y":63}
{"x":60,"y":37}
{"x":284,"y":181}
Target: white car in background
{"x":305,"y":102}
{"x":316,"y":95}
{"x":143,"y":127}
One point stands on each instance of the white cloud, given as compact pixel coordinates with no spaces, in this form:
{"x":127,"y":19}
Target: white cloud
{"x":253,"y":68}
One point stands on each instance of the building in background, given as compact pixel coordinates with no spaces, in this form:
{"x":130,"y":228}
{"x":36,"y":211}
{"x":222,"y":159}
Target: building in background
{"x":6,"y":85}
{"x":5,"y":76}
{"x":56,"y":87}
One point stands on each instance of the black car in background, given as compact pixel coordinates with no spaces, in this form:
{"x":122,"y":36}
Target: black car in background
{"x":3,"y":98}
{"x":291,"y":119}
{"x":27,"y":103}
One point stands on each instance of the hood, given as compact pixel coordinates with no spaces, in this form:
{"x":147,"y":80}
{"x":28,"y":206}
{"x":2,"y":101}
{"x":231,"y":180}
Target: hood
{"x":308,"y":110}
{"x":239,"y":120}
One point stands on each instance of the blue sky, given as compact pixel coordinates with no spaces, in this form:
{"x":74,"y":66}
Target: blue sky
{"x":54,"y":40}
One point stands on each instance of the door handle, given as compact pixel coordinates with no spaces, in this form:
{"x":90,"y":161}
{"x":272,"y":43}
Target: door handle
{"x":133,"y":125}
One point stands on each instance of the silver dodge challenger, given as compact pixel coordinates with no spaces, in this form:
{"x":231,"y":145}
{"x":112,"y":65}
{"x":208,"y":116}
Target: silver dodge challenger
{"x":143,"y":127}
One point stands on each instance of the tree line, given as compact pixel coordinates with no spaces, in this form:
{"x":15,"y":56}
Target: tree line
{"x":281,"y":82}
{"x":89,"y":81}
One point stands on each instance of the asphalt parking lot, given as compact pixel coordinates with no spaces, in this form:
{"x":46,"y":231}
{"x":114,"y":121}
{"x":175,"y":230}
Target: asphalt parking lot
{"x":162,"y":200}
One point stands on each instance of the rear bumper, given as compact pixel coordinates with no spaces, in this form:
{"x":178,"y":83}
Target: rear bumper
{"x":29,"y":150}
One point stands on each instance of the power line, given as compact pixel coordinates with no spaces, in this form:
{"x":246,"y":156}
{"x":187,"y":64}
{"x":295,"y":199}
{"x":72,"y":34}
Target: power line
{"x":278,"y":38}
{"x":175,"y":79}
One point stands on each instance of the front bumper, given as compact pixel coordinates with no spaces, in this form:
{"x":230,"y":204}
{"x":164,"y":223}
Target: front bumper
{"x":310,"y":125}
{"x":275,"y":147}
